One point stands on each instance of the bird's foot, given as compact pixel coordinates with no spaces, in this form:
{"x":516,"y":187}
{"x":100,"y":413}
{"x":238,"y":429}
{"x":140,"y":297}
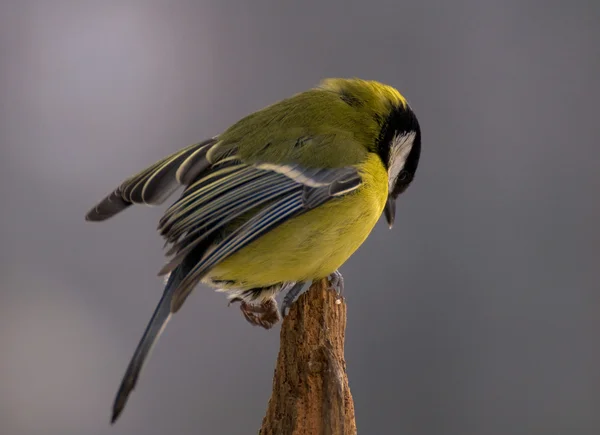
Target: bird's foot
{"x":336,"y":282}
{"x":264,"y":314}
{"x":293,"y":290}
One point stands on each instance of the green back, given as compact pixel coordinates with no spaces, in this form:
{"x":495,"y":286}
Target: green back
{"x":316,"y":128}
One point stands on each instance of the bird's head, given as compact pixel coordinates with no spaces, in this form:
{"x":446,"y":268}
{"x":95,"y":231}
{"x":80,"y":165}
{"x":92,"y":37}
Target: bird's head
{"x":394,"y":127}
{"x":399,"y":148}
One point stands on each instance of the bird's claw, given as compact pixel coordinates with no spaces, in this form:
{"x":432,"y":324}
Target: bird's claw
{"x":336,"y":282}
{"x":293,"y":290}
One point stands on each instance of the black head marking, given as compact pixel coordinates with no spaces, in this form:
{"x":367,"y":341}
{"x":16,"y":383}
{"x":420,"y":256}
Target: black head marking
{"x":401,"y":121}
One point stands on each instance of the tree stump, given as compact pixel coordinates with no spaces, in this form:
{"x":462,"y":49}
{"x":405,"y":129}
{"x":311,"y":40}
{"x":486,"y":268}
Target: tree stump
{"x":310,"y":394}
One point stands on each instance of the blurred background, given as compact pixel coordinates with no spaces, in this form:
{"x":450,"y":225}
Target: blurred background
{"x":478,"y":314}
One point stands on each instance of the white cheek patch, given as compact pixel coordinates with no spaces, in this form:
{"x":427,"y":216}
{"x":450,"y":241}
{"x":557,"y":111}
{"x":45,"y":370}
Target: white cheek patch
{"x":399,"y":149}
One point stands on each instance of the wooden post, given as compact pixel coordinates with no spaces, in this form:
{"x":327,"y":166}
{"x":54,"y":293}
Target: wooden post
{"x":310,"y":386}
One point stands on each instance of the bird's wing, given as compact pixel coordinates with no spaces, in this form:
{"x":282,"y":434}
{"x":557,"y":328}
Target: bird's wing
{"x":260,"y":195}
{"x":313,"y":128}
{"x":155,"y":184}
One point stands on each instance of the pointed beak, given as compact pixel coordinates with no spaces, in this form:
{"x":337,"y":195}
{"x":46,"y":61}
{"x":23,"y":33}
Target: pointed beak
{"x":390,"y":211}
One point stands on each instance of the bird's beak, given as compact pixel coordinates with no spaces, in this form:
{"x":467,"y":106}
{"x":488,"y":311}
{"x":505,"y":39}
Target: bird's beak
{"x":390,"y":211}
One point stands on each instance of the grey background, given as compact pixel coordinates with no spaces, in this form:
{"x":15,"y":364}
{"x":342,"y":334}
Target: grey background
{"x":477,"y":314}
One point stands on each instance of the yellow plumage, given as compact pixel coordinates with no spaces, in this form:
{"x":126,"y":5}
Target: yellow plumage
{"x":378,"y":96}
{"x":314,"y":244}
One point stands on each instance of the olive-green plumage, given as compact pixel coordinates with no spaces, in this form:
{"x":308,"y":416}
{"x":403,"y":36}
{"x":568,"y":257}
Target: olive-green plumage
{"x":283,"y":196}
{"x":316,"y":128}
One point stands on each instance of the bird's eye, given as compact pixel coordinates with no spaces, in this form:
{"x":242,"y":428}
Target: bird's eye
{"x":403,"y":175}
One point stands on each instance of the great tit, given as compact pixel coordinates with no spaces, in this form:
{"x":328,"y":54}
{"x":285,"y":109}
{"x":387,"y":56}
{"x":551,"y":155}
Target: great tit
{"x":282,"y":197}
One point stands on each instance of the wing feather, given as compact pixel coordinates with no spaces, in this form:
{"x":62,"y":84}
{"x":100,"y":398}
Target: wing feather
{"x":202,"y":194}
{"x":153,"y":185}
{"x":224,"y":204}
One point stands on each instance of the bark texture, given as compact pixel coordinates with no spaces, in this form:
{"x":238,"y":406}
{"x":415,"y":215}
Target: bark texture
{"x":310,"y":387}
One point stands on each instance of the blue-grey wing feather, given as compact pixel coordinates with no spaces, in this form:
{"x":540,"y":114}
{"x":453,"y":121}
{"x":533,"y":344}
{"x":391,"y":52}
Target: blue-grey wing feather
{"x":154,"y":184}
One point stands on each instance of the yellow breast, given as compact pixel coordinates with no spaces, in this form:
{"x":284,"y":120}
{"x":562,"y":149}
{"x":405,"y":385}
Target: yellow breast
{"x":312,"y":245}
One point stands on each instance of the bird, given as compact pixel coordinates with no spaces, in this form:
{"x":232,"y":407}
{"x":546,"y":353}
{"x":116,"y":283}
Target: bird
{"x":281,"y":198}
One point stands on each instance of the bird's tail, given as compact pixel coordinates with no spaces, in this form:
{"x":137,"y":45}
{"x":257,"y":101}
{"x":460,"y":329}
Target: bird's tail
{"x":157,"y":324}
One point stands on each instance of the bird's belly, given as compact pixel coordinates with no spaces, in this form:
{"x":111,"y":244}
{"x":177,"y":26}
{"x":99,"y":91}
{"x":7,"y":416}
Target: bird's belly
{"x":312,"y":245}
